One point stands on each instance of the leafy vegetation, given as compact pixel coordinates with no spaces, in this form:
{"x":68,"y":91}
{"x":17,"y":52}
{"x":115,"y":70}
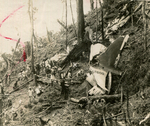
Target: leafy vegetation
{"x":134,"y":58}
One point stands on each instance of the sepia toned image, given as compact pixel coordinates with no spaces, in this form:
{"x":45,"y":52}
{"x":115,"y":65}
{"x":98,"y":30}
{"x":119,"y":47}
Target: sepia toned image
{"x":74,"y":63}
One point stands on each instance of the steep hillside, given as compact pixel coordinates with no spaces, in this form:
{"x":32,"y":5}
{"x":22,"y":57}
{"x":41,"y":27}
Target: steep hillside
{"x":78,"y":109}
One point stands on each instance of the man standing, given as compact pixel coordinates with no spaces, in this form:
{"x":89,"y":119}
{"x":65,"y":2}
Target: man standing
{"x":38,"y":90}
{"x":53,"y":73}
{"x":30,"y":91}
{"x":38,"y":68}
{"x":62,"y":84}
{"x":47,"y":71}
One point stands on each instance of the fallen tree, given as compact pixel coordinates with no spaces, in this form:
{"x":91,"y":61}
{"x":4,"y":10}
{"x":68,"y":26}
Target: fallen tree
{"x":21,"y":86}
{"x":115,"y":96}
{"x":107,"y":97}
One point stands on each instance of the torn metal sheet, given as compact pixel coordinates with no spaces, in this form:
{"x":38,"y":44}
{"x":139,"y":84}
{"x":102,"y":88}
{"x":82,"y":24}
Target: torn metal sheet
{"x":96,"y":49}
{"x":100,"y":77}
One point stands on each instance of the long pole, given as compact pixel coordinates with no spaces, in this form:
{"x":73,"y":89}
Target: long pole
{"x":102,"y":29}
{"x":73,"y":19}
{"x":96,"y":20}
{"x":66,"y":24}
{"x":32,"y":29}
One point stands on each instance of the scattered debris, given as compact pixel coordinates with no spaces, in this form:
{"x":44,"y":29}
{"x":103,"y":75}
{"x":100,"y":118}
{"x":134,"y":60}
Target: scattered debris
{"x":88,"y":73}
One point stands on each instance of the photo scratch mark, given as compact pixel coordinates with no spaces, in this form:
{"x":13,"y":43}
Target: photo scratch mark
{"x":9,"y":38}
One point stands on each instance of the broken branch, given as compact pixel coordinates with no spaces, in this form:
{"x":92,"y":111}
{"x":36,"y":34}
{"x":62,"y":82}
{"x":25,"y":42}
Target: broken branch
{"x":62,"y":24}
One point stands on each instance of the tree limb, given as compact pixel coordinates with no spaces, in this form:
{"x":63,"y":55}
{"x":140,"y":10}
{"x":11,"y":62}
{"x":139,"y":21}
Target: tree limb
{"x":62,"y":24}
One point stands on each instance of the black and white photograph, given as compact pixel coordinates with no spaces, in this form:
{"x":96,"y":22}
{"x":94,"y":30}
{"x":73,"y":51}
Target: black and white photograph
{"x":74,"y":62}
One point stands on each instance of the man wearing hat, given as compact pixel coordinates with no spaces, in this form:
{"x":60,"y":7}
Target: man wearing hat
{"x":38,"y":68}
{"x":30,"y":92}
{"x":53,"y":78}
{"x":64,"y":86}
{"x":66,"y":89}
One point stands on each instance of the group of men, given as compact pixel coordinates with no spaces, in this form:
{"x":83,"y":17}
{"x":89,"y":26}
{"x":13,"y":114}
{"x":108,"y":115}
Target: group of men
{"x":55,"y":75}
{"x":24,"y":73}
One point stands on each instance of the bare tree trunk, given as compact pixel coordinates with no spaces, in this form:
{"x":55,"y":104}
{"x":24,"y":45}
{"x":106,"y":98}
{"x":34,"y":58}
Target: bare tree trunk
{"x":35,"y":41}
{"x":32,"y":34}
{"x":66,"y":24}
{"x":73,"y":19}
{"x":80,"y":20}
{"x":92,"y":4}
{"x":145,"y":23}
{"x":102,"y":29}
{"x":96,"y":20}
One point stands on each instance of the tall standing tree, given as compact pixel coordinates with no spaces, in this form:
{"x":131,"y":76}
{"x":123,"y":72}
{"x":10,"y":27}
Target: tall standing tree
{"x":96,"y":20}
{"x":102,"y":28}
{"x":80,"y":21}
{"x":30,"y":10}
{"x":73,"y":18}
{"x":66,"y":24}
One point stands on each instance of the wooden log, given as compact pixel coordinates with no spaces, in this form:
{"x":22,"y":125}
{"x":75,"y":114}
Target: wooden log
{"x":116,"y":96}
{"x":138,"y":7}
{"x":74,"y":100}
{"x":20,"y":86}
{"x":75,"y":82}
{"x":115,"y":115}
